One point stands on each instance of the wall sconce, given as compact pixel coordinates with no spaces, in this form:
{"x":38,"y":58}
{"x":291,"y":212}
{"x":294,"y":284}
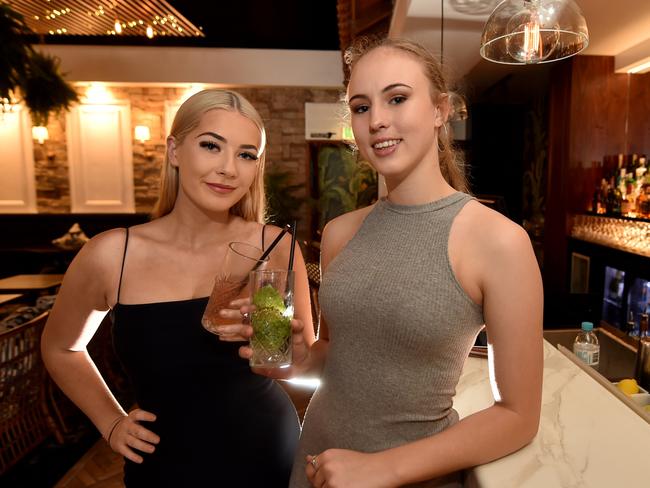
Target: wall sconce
{"x":40,"y":134}
{"x":98,"y":94}
{"x":142,"y":133}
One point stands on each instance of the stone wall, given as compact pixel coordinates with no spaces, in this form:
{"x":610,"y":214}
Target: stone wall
{"x":283,"y":110}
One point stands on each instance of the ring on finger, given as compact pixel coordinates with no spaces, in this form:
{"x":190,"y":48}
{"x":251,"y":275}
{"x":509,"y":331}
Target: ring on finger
{"x":314,"y":463}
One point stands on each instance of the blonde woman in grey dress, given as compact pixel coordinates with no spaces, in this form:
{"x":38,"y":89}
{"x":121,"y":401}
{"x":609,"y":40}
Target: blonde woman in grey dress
{"x":407,"y":285}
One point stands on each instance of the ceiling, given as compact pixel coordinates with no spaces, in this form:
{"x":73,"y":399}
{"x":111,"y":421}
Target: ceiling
{"x":261,"y":24}
{"x":615,"y":26}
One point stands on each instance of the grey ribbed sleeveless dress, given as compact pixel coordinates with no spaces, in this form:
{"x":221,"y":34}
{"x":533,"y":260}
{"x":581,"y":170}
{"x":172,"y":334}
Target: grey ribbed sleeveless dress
{"x":401,"y":328}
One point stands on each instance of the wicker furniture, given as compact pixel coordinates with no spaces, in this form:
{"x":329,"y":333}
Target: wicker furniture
{"x":25,"y":420}
{"x":313,"y":276}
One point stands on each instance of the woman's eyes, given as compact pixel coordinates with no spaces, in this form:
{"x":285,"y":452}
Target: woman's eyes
{"x":249,"y":156}
{"x":209,"y":145}
{"x":359,"y":109}
{"x":213,"y":146}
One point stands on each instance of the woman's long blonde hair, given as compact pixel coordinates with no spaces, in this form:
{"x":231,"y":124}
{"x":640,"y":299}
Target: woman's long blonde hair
{"x":252,"y":206}
{"x":452,"y":165}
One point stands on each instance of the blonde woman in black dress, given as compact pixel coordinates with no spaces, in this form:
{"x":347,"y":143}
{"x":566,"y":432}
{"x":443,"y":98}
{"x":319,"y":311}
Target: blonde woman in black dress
{"x":203,"y":418}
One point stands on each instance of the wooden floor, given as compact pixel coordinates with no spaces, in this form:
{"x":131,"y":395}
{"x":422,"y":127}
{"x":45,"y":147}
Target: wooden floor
{"x":100,"y":467}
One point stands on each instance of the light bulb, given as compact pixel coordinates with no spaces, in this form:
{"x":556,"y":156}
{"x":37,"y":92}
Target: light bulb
{"x":531,"y":37}
{"x":118,"y":27}
{"x":149,"y":32}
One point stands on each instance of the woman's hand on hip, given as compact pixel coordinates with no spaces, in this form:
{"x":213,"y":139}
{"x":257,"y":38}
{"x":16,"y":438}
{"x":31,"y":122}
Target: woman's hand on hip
{"x":128,"y":434}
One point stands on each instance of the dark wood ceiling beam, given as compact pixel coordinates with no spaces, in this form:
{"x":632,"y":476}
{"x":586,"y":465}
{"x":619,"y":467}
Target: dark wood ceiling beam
{"x":363,"y":25}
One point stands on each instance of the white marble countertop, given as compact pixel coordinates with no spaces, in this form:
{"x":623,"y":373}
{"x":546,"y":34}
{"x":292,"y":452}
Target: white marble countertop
{"x":587,"y":437}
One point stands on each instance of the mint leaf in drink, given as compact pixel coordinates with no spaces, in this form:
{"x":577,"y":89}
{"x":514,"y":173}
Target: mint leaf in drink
{"x":268,"y":297}
{"x":271,"y":328}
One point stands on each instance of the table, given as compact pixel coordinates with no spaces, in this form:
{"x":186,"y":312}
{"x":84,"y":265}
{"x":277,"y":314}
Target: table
{"x":30,"y":282}
{"x":7,"y":297}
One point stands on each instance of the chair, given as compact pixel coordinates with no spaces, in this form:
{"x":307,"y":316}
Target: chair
{"x":25,"y":420}
{"x":313,"y":276}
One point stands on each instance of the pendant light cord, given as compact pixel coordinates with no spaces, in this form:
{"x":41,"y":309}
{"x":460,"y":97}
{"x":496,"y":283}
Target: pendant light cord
{"x":442,"y":32}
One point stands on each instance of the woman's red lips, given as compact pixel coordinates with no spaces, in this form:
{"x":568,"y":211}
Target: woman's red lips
{"x":219,"y":188}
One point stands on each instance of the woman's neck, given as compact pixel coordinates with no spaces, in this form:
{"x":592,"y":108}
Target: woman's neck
{"x":422,"y":185}
{"x":193,"y":228}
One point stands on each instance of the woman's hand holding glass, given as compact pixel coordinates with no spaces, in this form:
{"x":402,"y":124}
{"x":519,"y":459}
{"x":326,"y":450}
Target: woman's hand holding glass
{"x":244,"y":331}
{"x":237,"y":329}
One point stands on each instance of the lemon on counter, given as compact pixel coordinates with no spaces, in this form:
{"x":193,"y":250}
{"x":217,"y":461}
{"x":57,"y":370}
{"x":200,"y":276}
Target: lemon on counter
{"x":628,"y":386}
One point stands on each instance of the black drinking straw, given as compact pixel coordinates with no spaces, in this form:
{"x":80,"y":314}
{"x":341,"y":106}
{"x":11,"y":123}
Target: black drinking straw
{"x":293,"y":245}
{"x":270,"y":248}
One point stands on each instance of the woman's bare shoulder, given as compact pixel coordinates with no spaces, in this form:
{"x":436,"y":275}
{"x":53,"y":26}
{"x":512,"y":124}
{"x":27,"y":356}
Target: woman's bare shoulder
{"x":493,"y":231}
{"x":104,"y":246}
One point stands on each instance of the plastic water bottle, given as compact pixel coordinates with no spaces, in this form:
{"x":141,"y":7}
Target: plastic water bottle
{"x":586,"y":346}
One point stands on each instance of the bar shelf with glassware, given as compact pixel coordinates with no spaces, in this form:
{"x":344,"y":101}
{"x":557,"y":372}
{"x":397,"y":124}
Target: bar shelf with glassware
{"x":623,"y":233}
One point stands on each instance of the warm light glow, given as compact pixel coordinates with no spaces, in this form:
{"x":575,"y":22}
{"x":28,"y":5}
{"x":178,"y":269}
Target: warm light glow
{"x":40,"y":134}
{"x":346,"y":133}
{"x":149,"y":32}
{"x":496,"y":392}
{"x":640,"y":68}
{"x":97,"y":93}
{"x":118,"y":27}
{"x":192,"y":89}
{"x":305,"y":382}
{"x":142,"y":133}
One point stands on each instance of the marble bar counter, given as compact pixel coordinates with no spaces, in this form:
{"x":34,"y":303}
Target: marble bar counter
{"x":587,"y":437}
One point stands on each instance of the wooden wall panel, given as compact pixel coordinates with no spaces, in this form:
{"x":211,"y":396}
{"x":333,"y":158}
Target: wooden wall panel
{"x":555,"y":242}
{"x":587,"y":120}
{"x":598,"y":109}
{"x":638,"y":132}
{"x":100,"y":158}
{"x":17,"y":189}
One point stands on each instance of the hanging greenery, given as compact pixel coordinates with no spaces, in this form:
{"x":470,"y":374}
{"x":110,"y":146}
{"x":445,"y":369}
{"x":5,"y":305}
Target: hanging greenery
{"x":26,"y":73}
{"x":283,"y":205}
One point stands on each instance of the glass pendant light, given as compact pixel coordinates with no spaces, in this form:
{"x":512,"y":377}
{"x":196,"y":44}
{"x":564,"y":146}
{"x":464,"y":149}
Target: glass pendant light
{"x":534,"y":31}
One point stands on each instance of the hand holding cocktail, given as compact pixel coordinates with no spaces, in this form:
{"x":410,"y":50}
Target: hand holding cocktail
{"x":231,"y":284}
{"x":272,"y":299}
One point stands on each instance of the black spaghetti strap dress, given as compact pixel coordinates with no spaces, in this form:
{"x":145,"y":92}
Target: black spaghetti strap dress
{"x":220,"y":425}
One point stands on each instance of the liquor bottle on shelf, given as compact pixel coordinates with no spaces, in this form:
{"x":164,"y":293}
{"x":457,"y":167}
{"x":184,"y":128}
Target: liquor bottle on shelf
{"x":630,"y":325}
{"x":597,"y":204}
{"x":643,"y":202}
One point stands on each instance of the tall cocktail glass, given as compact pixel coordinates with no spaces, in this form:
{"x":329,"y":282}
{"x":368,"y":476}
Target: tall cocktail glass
{"x":272,"y":296}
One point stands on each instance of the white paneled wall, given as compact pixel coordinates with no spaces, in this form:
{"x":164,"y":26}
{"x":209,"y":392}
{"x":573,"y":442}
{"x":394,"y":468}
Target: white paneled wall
{"x":100,"y":158}
{"x":17,"y":186}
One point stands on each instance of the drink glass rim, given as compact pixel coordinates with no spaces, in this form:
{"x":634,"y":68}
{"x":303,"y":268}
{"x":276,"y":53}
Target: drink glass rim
{"x":232,"y":245}
{"x":272,"y":271}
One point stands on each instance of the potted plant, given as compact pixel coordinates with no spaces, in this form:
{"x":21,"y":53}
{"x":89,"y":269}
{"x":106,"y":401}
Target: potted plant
{"x":27,"y":75}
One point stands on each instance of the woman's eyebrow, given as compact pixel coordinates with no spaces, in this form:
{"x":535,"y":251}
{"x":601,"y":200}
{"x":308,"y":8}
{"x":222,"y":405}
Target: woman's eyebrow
{"x":213,"y":134}
{"x":388,"y":88}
